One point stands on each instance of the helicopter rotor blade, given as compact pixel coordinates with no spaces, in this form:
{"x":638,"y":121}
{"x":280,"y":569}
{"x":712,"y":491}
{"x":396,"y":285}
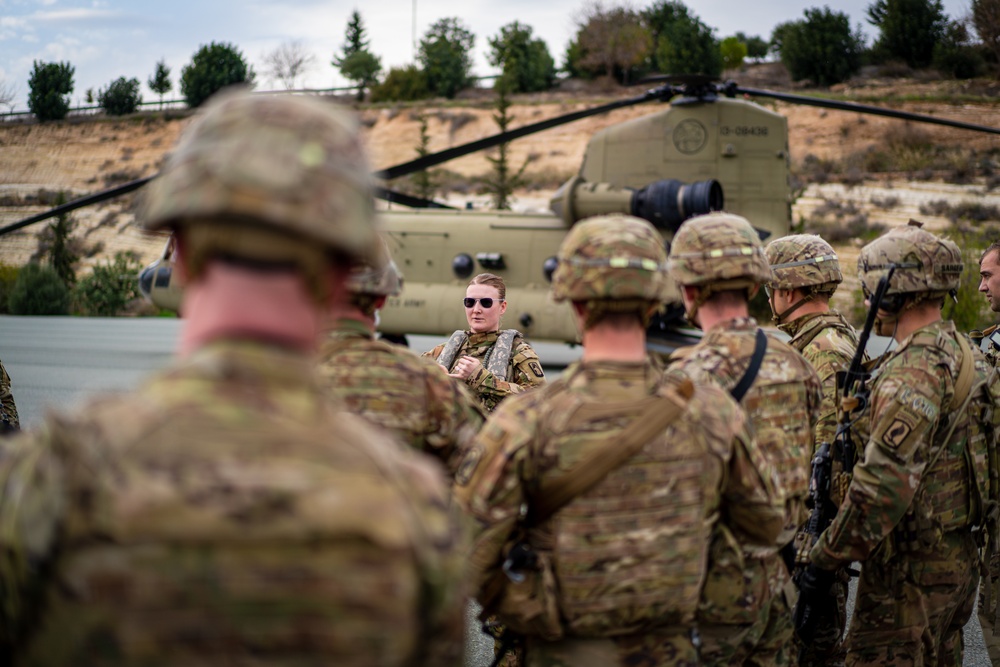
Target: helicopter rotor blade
{"x":662,"y":93}
{"x":95,"y":198}
{"x":391,"y":196}
{"x":396,"y":197}
{"x":730,"y":89}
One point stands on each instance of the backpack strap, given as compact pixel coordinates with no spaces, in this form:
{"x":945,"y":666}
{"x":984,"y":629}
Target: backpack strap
{"x":451,"y":348}
{"x":501,"y":352}
{"x":743,"y":386}
{"x":966,"y":373}
{"x":655,"y":413}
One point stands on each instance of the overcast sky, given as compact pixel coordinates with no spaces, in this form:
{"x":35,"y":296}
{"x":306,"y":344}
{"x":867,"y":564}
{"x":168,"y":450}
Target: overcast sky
{"x":106,"y":39}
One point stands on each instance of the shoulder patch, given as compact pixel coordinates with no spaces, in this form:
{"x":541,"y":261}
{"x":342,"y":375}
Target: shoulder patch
{"x":536,"y":369}
{"x":917,"y":402}
{"x":897,"y":433}
{"x":468,"y":466}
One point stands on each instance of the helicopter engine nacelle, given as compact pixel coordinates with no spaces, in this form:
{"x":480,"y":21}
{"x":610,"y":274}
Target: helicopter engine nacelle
{"x":665,"y":203}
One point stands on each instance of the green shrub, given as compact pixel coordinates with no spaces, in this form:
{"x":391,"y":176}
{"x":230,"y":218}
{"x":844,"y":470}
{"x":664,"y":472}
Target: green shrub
{"x":121,"y":97}
{"x":212,"y":68}
{"x":38,"y":290}
{"x":109,"y":290}
{"x":8,"y":276}
{"x":50,"y":84}
{"x":402,"y":84}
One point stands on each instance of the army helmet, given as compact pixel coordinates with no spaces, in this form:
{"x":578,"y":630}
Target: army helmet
{"x":719,"y":249}
{"x":803,"y":261}
{"x":261,"y":166}
{"x":613,"y":256}
{"x":925,"y":263}
{"x":383,"y":279}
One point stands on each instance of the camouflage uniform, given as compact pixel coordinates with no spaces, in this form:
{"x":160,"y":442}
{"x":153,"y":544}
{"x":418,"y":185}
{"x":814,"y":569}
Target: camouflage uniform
{"x":919,"y":499}
{"x":227,"y":512}
{"x":524,"y":371}
{"x":987,"y":342}
{"x":809,"y":264}
{"x":987,"y":608}
{"x":391,"y":386}
{"x":8,"y":418}
{"x":622,"y":562}
{"x":746,"y":611}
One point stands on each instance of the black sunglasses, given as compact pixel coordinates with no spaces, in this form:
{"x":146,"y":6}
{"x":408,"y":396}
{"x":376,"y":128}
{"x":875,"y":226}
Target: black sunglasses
{"x":487,"y":302}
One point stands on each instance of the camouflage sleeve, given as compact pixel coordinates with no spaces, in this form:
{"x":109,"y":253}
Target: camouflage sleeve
{"x":443,"y":554}
{"x":434,"y":354}
{"x":751,"y":506}
{"x":456,"y":417}
{"x":754,"y":510}
{"x":488,"y":485}
{"x":826,"y":364}
{"x":526,"y":374}
{"x":7,"y":401}
{"x":32,"y":502}
{"x":905,"y":407}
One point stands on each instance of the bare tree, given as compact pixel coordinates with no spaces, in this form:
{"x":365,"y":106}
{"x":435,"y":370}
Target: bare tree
{"x":287,"y":62}
{"x":612,"y":39}
{"x":8,"y":92}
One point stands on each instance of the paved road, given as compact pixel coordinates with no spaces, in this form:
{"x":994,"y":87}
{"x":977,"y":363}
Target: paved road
{"x":56,"y":361}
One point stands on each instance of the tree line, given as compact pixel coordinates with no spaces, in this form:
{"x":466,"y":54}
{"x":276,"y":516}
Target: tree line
{"x":616,"y":41}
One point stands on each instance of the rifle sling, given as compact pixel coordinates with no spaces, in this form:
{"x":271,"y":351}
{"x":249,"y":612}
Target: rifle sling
{"x":655,"y":414}
{"x":743,"y":386}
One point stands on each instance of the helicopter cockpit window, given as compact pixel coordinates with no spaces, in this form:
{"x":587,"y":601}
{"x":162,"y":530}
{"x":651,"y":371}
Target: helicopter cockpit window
{"x":492,"y":261}
{"x":162,"y":276}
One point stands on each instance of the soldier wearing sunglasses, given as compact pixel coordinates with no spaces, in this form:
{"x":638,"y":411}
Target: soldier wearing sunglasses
{"x":494,"y":363}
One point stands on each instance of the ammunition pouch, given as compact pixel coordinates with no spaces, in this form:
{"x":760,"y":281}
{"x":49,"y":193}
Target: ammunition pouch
{"x":523,"y":594}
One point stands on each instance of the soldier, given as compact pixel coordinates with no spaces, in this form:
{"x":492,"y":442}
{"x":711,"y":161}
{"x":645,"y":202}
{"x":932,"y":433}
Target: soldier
{"x":8,"y":410}
{"x":226,"y":512}
{"x":388,"y":384}
{"x":989,"y":284}
{"x":719,"y":263}
{"x":494,"y":363}
{"x":598,"y":495}
{"x":989,"y":342}
{"x":919,"y":502}
{"x":805,"y":274}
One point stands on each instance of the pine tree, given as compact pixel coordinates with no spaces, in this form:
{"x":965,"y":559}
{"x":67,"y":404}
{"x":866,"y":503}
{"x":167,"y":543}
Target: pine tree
{"x":159,"y":82}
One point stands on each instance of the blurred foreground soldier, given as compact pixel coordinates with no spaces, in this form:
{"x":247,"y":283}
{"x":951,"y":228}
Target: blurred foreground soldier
{"x":599,"y":494}
{"x":224,"y":513}
{"x":989,"y":342}
{"x":989,"y":284}
{"x":719,"y":263}
{"x":922,"y":502}
{"x":805,"y":274}
{"x":8,"y":411}
{"x":388,"y":384}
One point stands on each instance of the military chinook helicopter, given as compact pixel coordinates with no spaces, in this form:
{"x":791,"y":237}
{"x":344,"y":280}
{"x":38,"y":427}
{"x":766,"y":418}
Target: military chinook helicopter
{"x":711,"y":148}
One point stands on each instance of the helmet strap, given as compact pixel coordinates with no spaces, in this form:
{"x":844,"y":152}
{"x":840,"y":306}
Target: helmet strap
{"x":782,"y":317}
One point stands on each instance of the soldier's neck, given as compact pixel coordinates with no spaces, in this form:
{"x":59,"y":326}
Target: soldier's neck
{"x":234,"y":302}
{"x":609,"y":343}
{"x":916,"y":318}
{"x":711,"y":313}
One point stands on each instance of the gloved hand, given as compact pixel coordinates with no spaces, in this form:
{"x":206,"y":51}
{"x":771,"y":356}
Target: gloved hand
{"x":815,"y":600}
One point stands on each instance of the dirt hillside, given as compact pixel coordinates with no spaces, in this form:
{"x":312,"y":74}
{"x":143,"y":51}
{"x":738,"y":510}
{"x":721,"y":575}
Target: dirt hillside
{"x":85,"y":155}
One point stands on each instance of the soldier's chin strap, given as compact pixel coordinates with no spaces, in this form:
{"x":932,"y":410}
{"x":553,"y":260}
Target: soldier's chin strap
{"x":782,"y":317}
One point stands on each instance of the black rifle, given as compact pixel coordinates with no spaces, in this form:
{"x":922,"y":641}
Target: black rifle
{"x":815,"y":602}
